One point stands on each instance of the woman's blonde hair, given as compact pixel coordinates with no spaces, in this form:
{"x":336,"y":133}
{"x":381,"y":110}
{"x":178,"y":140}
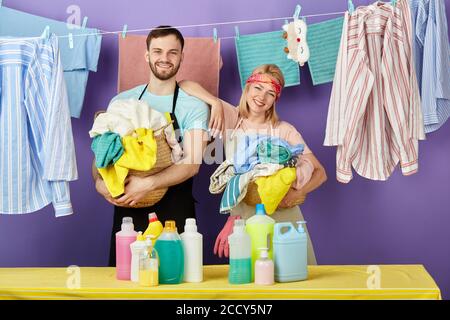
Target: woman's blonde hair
{"x":273,"y":71}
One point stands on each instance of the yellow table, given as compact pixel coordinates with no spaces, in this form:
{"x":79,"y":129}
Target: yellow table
{"x":324,"y":282}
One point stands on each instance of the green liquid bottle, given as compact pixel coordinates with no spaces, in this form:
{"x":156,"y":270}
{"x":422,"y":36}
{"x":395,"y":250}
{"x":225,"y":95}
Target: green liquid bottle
{"x":171,"y":255}
{"x":240,"y":255}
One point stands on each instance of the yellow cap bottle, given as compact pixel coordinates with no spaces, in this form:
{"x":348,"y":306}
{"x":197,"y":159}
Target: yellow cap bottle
{"x":170,"y":226}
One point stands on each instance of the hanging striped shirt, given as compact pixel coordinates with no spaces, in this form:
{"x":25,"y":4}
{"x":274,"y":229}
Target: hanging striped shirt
{"x":37,"y":154}
{"x":432,"y":60}
{"x":374,"y":115}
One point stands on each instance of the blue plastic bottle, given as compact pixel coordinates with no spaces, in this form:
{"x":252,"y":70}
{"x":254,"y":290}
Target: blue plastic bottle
{"x":290,"y":253}
{"x":171,"y":255}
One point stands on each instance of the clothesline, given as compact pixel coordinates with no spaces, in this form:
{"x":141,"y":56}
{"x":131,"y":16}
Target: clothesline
{"x":103,"y":32}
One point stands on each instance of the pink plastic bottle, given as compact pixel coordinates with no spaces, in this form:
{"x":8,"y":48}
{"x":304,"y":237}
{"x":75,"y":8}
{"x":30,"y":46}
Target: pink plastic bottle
{"x":264,"y":269}
{"x":124,"y":238}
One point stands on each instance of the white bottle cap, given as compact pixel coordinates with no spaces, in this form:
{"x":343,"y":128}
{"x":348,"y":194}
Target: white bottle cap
{"x":239,"y":224}
{"x":300,"y":226}
{"x":127,"y":224}
{"x":148,"y":241}
{"x":190,"y":225}
{"x":264,"y":253}
{"x":127,"y":220}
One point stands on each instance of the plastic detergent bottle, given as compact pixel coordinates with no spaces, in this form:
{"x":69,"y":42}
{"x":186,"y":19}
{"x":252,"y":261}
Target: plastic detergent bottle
{"x":264,"y":268}
{"x":170,"y":253}
{"x":124,"y":238}
{"x":260,"y":229}
{"x":290,"y":253}
{"x":148,"y":265}
{"x":154,"y":228}
{"x":240,"y":254}
{"x":137,"y":248}
{"x":193,"y":252}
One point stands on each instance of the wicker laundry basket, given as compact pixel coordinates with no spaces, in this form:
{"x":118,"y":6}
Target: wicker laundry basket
{"x":163,"y":160}
{"x":252,"y":197}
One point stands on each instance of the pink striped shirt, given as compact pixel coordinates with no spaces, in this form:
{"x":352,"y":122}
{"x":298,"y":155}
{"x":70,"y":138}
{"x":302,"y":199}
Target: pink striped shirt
{"x":374,"y":117}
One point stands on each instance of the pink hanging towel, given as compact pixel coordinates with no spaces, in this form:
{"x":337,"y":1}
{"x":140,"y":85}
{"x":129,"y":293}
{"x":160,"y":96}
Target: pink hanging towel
{"x":202,"y":62}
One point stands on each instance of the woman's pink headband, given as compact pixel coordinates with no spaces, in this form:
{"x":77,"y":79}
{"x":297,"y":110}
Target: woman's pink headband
{"x":264,"y":78}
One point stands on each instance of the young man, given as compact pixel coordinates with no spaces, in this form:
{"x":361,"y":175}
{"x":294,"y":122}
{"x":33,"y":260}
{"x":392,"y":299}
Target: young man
{"x":190,"y":115}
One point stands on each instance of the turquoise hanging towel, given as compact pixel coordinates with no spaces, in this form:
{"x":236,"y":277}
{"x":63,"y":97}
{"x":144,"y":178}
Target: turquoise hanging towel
{"x":256,"y":49}
{"x":324,"y":39}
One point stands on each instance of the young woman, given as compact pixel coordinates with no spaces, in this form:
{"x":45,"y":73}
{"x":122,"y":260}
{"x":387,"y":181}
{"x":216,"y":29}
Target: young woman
{"x":256,"y":113}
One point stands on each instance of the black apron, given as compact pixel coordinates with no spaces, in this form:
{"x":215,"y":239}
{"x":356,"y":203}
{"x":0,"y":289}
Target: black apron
{"x":177,"y":204}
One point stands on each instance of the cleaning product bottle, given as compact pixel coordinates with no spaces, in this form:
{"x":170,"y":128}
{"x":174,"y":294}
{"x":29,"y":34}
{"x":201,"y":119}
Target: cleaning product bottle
{"x":171,"y":256}
{"x":137,"y":248}
{"x":260,"y":229}
{"x":290,"y":253}
{"x":124,"y":238}
{"x":264,"y":269}
{"x":240,"y":254}
{"x":193,"y":252}
{"x":148,"y":265}
{"x":154,"y":228}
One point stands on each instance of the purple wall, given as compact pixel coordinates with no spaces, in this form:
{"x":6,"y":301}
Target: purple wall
{"x":405,"y":220}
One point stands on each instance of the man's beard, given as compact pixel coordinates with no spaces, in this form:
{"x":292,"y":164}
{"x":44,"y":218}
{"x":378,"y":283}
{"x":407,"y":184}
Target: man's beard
{"x":164,"y":76}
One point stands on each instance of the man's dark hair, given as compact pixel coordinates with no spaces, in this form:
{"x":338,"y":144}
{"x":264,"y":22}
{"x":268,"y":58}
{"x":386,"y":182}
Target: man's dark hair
{"x":163,"y":31}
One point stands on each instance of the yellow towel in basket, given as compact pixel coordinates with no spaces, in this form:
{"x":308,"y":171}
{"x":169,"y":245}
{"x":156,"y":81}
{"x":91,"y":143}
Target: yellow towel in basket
{"x":272,"y":189}
{"x":139,"y":154}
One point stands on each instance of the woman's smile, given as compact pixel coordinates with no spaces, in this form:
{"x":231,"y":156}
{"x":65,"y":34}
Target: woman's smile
{"x":258,"y":103}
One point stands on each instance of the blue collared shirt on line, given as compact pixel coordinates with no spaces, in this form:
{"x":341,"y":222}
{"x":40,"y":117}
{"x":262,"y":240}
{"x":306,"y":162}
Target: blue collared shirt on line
{"x":37,"y":154}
